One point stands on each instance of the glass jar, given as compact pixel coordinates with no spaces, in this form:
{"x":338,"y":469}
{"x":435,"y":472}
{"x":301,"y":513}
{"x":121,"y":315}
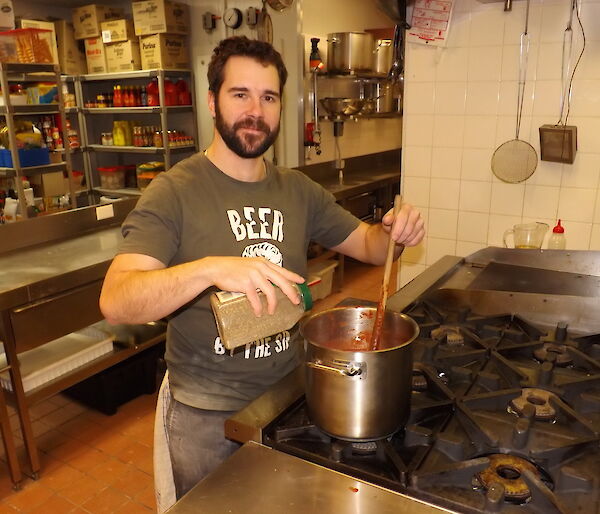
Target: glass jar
{"x":101,"y":101}
{"x":158,"y":140}
{"x":107,"y":138}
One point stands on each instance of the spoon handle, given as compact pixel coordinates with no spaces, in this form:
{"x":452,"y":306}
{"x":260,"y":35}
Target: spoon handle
{"x":387,"y":271}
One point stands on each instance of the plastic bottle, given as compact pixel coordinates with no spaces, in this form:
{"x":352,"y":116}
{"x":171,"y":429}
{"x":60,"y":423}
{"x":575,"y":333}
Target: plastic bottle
{"x":557,"y":240}
{"x":238,"y":325}
{"x":152,"y":92}
{"x":117,"y":96}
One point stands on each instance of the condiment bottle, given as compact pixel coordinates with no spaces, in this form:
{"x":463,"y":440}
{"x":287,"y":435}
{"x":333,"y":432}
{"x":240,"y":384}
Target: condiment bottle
{"x":117,"y":96}
{"x":170,"y":93}
{"x":152,"y":92}
{"x":557,"y":240}
{"x":314,"y":61}
{"x":143,"y":97}
{"x":238,"y":325}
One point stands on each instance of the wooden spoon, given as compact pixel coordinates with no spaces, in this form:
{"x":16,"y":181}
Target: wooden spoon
{"x":387,"y":271}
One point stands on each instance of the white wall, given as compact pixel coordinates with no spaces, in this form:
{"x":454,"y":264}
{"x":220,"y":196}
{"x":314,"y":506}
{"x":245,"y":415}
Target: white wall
{"x":304,"y":17}
{"x":368,"y":135}
{"x":460,"y":104}
{"x":285,"y":40}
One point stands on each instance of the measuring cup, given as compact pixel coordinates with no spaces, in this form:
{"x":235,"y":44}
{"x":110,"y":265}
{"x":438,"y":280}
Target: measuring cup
{"x":527,"y":235}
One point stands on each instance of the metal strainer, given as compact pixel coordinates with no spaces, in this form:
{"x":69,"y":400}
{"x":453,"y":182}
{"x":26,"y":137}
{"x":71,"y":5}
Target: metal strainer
{"x":516,"y":160}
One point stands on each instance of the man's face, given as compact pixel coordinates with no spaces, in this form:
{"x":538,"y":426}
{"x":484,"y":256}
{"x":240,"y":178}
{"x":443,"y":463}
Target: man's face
{"x":248,"y":107}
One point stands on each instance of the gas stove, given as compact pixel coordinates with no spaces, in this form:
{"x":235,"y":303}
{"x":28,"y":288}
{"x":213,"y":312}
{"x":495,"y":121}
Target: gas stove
{"x":505,"y":407}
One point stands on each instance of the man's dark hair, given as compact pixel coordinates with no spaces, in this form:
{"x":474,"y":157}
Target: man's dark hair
{"x":241,"y":46}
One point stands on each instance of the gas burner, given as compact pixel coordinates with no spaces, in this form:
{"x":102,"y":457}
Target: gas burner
{"x":507,"y":470}
{"x":451,"y":335}
{"x":537,"y":402}
{"x":419,"y":382}
{"x":554,"y":352}
{"x":364,"y":448}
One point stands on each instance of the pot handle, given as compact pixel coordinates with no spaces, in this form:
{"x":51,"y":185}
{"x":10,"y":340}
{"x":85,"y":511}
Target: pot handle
{"x":344,"y":368}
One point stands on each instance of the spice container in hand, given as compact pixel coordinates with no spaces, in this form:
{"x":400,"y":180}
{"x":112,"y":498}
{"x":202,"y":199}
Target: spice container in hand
{"x":238,"y":325}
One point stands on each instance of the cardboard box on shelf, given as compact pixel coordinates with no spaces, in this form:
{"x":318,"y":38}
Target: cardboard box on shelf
{"x":95,"y":55}
{"x":160,"y":16}
{"x":49,"y":184}
{"x":114,"y":31}
{"x":165,"y":51}
{"x":87,"y":19}
{"x":71,"y":56}
{"x":45,"y":25}
{"x":7,"y":15}
{"x":123,"y":56}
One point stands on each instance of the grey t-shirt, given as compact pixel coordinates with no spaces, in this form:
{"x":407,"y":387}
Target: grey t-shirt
{"x":194,"y":210}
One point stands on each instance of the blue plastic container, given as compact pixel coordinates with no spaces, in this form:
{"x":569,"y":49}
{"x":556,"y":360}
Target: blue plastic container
{"x":31,"y":157}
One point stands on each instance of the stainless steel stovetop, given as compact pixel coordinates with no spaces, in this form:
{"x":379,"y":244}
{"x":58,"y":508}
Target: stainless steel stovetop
{"x":505,"y":409}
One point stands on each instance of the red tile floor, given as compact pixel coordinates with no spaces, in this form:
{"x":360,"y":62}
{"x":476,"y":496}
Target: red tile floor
{"x":93,"y":463}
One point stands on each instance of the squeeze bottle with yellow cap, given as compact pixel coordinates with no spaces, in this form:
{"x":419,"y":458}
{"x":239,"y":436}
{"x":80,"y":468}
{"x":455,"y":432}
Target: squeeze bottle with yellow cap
{"x":238,"y":325}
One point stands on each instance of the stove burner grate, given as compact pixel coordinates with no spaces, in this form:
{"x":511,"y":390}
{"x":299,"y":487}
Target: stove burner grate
{"x":508,"y":470}
{"x":537,"y":402}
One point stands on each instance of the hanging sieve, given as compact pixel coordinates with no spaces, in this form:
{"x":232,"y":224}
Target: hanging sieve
{"x":515,"y":160}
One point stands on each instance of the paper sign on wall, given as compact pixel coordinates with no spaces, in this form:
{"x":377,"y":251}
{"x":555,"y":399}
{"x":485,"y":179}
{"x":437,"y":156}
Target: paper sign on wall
{"x":430,"y":22}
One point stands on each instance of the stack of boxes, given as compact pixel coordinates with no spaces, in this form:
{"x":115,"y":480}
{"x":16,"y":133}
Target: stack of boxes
{"x":162,"y":27}
{"x":112,"y":44}
{"x":87,"y":21}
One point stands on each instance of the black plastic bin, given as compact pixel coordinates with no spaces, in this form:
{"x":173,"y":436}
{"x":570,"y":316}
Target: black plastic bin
{"x":107,"y":390}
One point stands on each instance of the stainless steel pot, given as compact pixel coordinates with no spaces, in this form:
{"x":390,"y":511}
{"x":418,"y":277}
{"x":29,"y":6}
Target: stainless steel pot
{"x":349,"y":52}
{"x":385,"y":97}
{"x":383,"y":56}
{"x":353,"y":393}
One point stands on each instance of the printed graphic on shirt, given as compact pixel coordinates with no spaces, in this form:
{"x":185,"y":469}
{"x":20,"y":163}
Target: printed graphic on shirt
{"x":267,"y":250}
{"x":261,"y":223}
{"x":262,"y":348}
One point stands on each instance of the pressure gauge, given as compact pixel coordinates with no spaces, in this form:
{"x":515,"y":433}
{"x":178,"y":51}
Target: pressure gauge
{"x":233,"y":18}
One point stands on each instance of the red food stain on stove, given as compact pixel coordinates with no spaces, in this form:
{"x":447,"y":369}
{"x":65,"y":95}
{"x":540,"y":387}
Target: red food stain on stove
{"x":353,"y":489}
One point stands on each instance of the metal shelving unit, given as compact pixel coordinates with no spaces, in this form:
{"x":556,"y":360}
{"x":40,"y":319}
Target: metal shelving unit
{"x":85,"y":83}
{"x":14,"y":72}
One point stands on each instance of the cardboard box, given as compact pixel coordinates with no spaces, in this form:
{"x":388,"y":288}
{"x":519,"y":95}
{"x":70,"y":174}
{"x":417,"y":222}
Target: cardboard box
{"x":117,"y":30}
{"x":49,"y":184}
{"x":123,"y":56}
{"x":165,"y":51}
{"x":87,"y":19}
{"x":7,"y":15}
{"x":71,"y":56}
{"x":45,"y":25}
{"x":159,"y":17}
{"x":95,"y":55}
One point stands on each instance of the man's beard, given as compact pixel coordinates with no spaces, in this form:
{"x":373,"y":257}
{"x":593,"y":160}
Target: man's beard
{"x":247,"y":146}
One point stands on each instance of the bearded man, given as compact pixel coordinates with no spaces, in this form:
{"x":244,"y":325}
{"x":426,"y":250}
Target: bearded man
{"x":227,"y":219}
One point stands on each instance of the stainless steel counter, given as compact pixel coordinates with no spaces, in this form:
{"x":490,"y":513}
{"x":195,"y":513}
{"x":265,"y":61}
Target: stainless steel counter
{"x":259,"y":480}
{"x":34,"y":273}
{"x":358,"y":182}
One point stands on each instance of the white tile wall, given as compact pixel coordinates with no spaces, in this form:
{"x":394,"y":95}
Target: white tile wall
{"x":418,"y":161}
{"x":467,"y":96}
{"x":445,"y":162}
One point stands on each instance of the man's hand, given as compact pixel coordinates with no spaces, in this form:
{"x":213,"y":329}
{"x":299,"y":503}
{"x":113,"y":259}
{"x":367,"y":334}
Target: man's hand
{"x":408,"y":226}
{"x":247,"y":274}
{"x":139,"y":288}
